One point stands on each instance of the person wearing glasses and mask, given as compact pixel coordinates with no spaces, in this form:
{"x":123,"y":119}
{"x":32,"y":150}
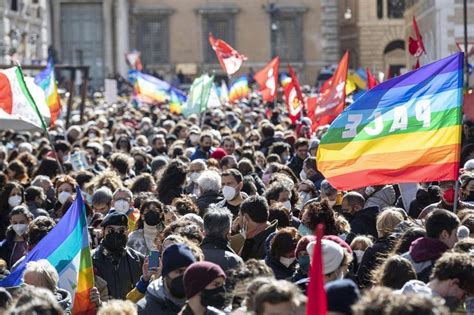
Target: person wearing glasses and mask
{"x":115,"y":262}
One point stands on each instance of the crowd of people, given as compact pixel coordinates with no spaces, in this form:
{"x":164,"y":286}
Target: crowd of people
{"x":230,"y":201}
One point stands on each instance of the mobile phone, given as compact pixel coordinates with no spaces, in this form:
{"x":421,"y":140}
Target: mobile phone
{"x":153,"y":259}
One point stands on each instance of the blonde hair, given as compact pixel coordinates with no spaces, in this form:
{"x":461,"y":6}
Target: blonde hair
{"x":118,"y":307}
{"x":49,"y":275}
{"x":387,"y":221}
{"x":361,"y":242}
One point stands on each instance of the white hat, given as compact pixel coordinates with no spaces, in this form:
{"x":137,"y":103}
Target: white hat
{"x":469,"y":165}
{"x":333,"y":254}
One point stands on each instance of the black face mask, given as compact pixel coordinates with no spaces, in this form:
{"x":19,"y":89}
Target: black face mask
{"x":139,"y":164}
{"x":115,"y":242}
{"x":214,"y":297}
{"x":152,"y":218}
{"x":176,"y":287}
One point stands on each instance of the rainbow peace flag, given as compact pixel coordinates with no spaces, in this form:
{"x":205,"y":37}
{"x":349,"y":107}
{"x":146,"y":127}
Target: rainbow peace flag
{"x":149,"y":89}
{"x":407,"y":129}
{"x":66,"y":247}
{"x":239,"y":89}
{"x":47,"y":81}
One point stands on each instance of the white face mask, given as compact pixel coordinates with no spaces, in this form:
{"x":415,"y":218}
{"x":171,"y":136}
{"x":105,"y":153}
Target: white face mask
{"x":121,"y":206}
{"x":287,"y":205}
{"x":20,"y":229}
{"x":14,"y":201}
{"x":228,"y":192}
{"x":194,"y":177}
{"x":332,"y":203}
{"x":63,"y":196}
{"x":369,"y":190}
{"x":359,"y":253}
{"x":303,"y":175}
{"x":287,"y":261}
{"x":194,"y":138}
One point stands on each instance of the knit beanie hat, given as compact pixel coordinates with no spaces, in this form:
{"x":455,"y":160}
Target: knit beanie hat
{"x":333,"y":254}
{"x":176,"y":256}
{"x":199,"y":275}
{"x":341,"y":295}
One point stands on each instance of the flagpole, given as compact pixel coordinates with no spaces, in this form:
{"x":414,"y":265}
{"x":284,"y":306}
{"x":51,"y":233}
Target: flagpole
{"x":43,"y":123}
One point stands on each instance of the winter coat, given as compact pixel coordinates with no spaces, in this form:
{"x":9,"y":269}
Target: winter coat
{"x":296,"y":165}
{"x":363,"y":222}
{"x":385,"y":197}
{"x":218,"y":251}
{"x":423,"y":254}
{"x":120,"y":273}
{"x":280,"y":271}
{"x":255,"y":247}
{"x":157,"y":301}
{"x":370,"y":260}
{"x":206,"y":199}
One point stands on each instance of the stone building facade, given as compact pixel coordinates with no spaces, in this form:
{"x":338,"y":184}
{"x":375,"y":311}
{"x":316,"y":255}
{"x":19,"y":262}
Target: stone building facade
{"x":172,"y":35}
{"x":441,"y":23}
{"x":24,"y":31}
{"x":373,"y":31}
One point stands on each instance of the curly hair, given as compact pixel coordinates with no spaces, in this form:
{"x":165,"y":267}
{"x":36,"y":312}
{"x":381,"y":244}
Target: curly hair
{"x":173,"y":177}
{"x":143,"y":183}
{"x":185,"y":205}
{"x":317,"y":212}
{"x":185,"y":228}
{"x":108,"y":179}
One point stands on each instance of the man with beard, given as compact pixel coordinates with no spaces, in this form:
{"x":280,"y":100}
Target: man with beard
{"x":204,"y":285}
{"x":119,"y":265}
{"x":159,"y":146}
{"x":166,"y":295}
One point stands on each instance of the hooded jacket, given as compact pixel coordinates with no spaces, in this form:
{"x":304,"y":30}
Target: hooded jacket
{"x":384,"y":197}
{"x":157,"y":301}
{"x":423,"y":254}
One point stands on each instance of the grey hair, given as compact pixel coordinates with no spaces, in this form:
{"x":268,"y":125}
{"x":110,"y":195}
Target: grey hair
{"x":194,"y":218}
{"x":217,"y":222}
{"x":102,"y":195}
{"x":46,"y":270}
{"x":209,"y":181}
{"x":40,"y":179}
{"x":200,"y":162}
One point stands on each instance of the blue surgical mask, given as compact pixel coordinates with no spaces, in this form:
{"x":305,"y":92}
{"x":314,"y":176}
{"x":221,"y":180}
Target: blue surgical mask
{"x":303,"y":261}
{"x":304,"y":230}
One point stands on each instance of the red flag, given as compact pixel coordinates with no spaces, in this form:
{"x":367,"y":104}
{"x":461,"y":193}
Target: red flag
{"x":371,"y":82}
{"x":267,"y":79}
{"x":317,"y":303}
{"x":294,"y":97}
{"x":416,"y":46}
{"x":332,"y":99}
{"x":468,"y":106}
{"x":229,"y":58}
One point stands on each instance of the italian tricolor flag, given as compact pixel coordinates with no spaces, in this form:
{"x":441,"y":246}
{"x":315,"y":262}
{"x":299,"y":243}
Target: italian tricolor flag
{"x":22,"y":103}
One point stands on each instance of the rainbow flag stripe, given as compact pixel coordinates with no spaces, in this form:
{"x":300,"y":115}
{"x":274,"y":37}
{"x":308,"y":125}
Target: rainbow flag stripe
{"x":150,"y":90}
{"x":407,"y":129}
{"x":239,"y":89}
{"x":66,"y":247}
{"x":47,"y":81}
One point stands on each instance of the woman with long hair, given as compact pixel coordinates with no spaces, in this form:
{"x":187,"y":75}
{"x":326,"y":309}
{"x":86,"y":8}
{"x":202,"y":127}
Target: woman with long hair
{"x":172,"y":181}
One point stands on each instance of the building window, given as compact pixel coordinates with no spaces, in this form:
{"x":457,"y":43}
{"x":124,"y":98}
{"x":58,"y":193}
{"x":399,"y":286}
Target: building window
{"x":396,"y":9}
{"x":14,"y":5}
{"x":286,"y":39}
{"x":152,"y":38}
{"x":380,"y":9}
{"x":221,"y":25}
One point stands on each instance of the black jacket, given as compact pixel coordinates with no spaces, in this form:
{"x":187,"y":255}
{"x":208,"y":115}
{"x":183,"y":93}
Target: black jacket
{"x":280,"y":271}
{"x":363,"y":222}
{"x":120,"y":273}
{"x":206,"y":199}
{"x":167,"y":196}
{"x":158,"y":302}
{"x":372,"y":258}
{"x":296,"y":165}
{"x":255,"y":247}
